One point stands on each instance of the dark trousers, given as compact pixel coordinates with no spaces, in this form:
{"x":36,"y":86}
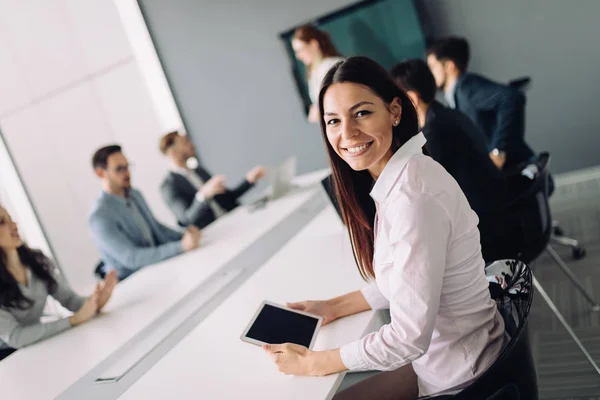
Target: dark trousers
{"x":499,"y":237}
{"x":5,"y":353}
{"x":400,"y":384}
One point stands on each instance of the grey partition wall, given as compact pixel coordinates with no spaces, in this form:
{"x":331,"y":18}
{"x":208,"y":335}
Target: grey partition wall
{"x":230,"y":75}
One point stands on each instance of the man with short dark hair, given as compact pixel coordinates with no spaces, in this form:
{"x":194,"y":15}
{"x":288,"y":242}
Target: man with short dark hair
{"x":192,"y":193}
{"x":498,"y":110}
{"x":458,"y":145}
{"x":126,"y":233}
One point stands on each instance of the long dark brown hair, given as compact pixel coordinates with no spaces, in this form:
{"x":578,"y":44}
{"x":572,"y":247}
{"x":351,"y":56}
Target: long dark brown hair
{"x":40,"y":265}
{"x":306,"y":33}
{"x":352,"y":188}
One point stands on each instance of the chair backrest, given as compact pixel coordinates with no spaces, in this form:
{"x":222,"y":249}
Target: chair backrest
{"x":521,"y":83}
{"x":514,"y":370}
{"x":508,"y":392}
{"x":530,"y":210}
{"x":329,"y":188}
{"x":99,"y":270}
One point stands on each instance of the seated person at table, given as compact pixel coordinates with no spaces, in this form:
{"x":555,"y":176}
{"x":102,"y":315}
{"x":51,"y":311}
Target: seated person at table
{"x":193,"y":195}
{"x":414,"y":236}
{"x":454,"y":141}
{"x":27,"y":277}
{"x":498,"y":110}
{"x":126,"y":233}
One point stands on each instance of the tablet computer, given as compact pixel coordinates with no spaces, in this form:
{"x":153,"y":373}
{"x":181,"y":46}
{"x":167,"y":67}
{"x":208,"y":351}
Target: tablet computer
{"x":276,"y":324}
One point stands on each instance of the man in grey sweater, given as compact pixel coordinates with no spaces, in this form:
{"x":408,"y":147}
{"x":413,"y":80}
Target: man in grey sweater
{"x":127,"y":234}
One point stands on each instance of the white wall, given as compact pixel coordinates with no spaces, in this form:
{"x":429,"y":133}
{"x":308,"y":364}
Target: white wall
{"x":70,"y":83}
{"x":14,"y":199}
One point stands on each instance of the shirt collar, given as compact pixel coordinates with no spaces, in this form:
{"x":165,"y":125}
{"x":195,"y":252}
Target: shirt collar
{"x":178,"y":170}
{"x":449,"y":95}
{"x":394,"y":167}
{"x":120,"y":199}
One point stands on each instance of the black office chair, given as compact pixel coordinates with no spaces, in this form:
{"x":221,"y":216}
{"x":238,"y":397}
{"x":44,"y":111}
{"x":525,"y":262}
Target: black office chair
{"x":508,"y":392}
{"x":557,"y":234}
{"x":513,"y":375}
{"x":5,"y":353}
{"x":531,"y":209}
{"x":99,"y":271}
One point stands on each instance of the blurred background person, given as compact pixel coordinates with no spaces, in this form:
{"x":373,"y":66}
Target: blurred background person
{"x":498,"y":110}
{"x":193,"y":194}
{"x":27,"y":278}
{"x":126,"y":233}
{"x":456,"y":143}
{"x":314,"y":48}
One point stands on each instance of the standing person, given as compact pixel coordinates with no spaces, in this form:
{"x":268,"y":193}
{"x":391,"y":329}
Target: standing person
{"x":414,"y":236}
{"x":313,"y":47}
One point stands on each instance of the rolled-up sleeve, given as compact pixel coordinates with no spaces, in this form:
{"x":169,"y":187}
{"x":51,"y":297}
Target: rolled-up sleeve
{"x":419,"y":240}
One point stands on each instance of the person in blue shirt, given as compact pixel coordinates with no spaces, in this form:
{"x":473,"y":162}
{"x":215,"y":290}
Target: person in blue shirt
{"x":126,"y":233}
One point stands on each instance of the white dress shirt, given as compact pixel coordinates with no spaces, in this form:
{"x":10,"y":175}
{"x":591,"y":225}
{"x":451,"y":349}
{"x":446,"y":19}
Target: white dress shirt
{"x":430,"y":273}
{"x":198,"y":182}
{"x":316,"y":77}
{"x":449,"y":96}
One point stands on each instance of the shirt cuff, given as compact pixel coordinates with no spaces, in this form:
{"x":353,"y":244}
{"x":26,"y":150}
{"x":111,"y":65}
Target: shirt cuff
{"x":179,"y":247}
{"x":351,"y":355}
{"x":200,"y":198}
{"x":374,"y":297}
{"x":63,"y":324}
{"x":80,"y":301}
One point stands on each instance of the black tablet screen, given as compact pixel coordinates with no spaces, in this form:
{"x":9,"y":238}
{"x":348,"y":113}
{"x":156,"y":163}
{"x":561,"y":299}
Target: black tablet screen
{"x":275,"y":325}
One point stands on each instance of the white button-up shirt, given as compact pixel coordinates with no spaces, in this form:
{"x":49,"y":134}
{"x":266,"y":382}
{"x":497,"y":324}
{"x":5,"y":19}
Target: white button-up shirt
{"x":430,"y":274}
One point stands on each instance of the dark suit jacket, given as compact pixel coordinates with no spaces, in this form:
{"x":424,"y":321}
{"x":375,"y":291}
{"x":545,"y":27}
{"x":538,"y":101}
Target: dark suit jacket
{"x":456,"y":143}
{"x":180,"y":195}
{"x":499,"y":112}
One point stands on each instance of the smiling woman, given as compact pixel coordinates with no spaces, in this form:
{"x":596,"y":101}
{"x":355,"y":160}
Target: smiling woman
{"x":413,"y":233}
{"x":364,"y":123}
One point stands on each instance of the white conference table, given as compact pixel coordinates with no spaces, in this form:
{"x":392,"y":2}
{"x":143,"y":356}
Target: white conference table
{"x":211,"y":362}
{"x":46,"y":369}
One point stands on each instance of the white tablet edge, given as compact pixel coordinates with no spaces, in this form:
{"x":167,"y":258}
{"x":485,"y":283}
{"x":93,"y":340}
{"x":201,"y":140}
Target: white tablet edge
{"x":244,"y":338}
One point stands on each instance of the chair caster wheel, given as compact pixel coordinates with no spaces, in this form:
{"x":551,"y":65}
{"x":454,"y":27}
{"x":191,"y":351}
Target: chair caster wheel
{"x":579,"y":253}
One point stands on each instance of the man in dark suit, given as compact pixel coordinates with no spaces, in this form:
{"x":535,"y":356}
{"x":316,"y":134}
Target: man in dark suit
{"x":192,"y":194}
{"x":458,"y":145}
{"x":498,"y":110}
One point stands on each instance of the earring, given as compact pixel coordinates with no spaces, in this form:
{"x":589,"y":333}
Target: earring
{"x":396,"y":122}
